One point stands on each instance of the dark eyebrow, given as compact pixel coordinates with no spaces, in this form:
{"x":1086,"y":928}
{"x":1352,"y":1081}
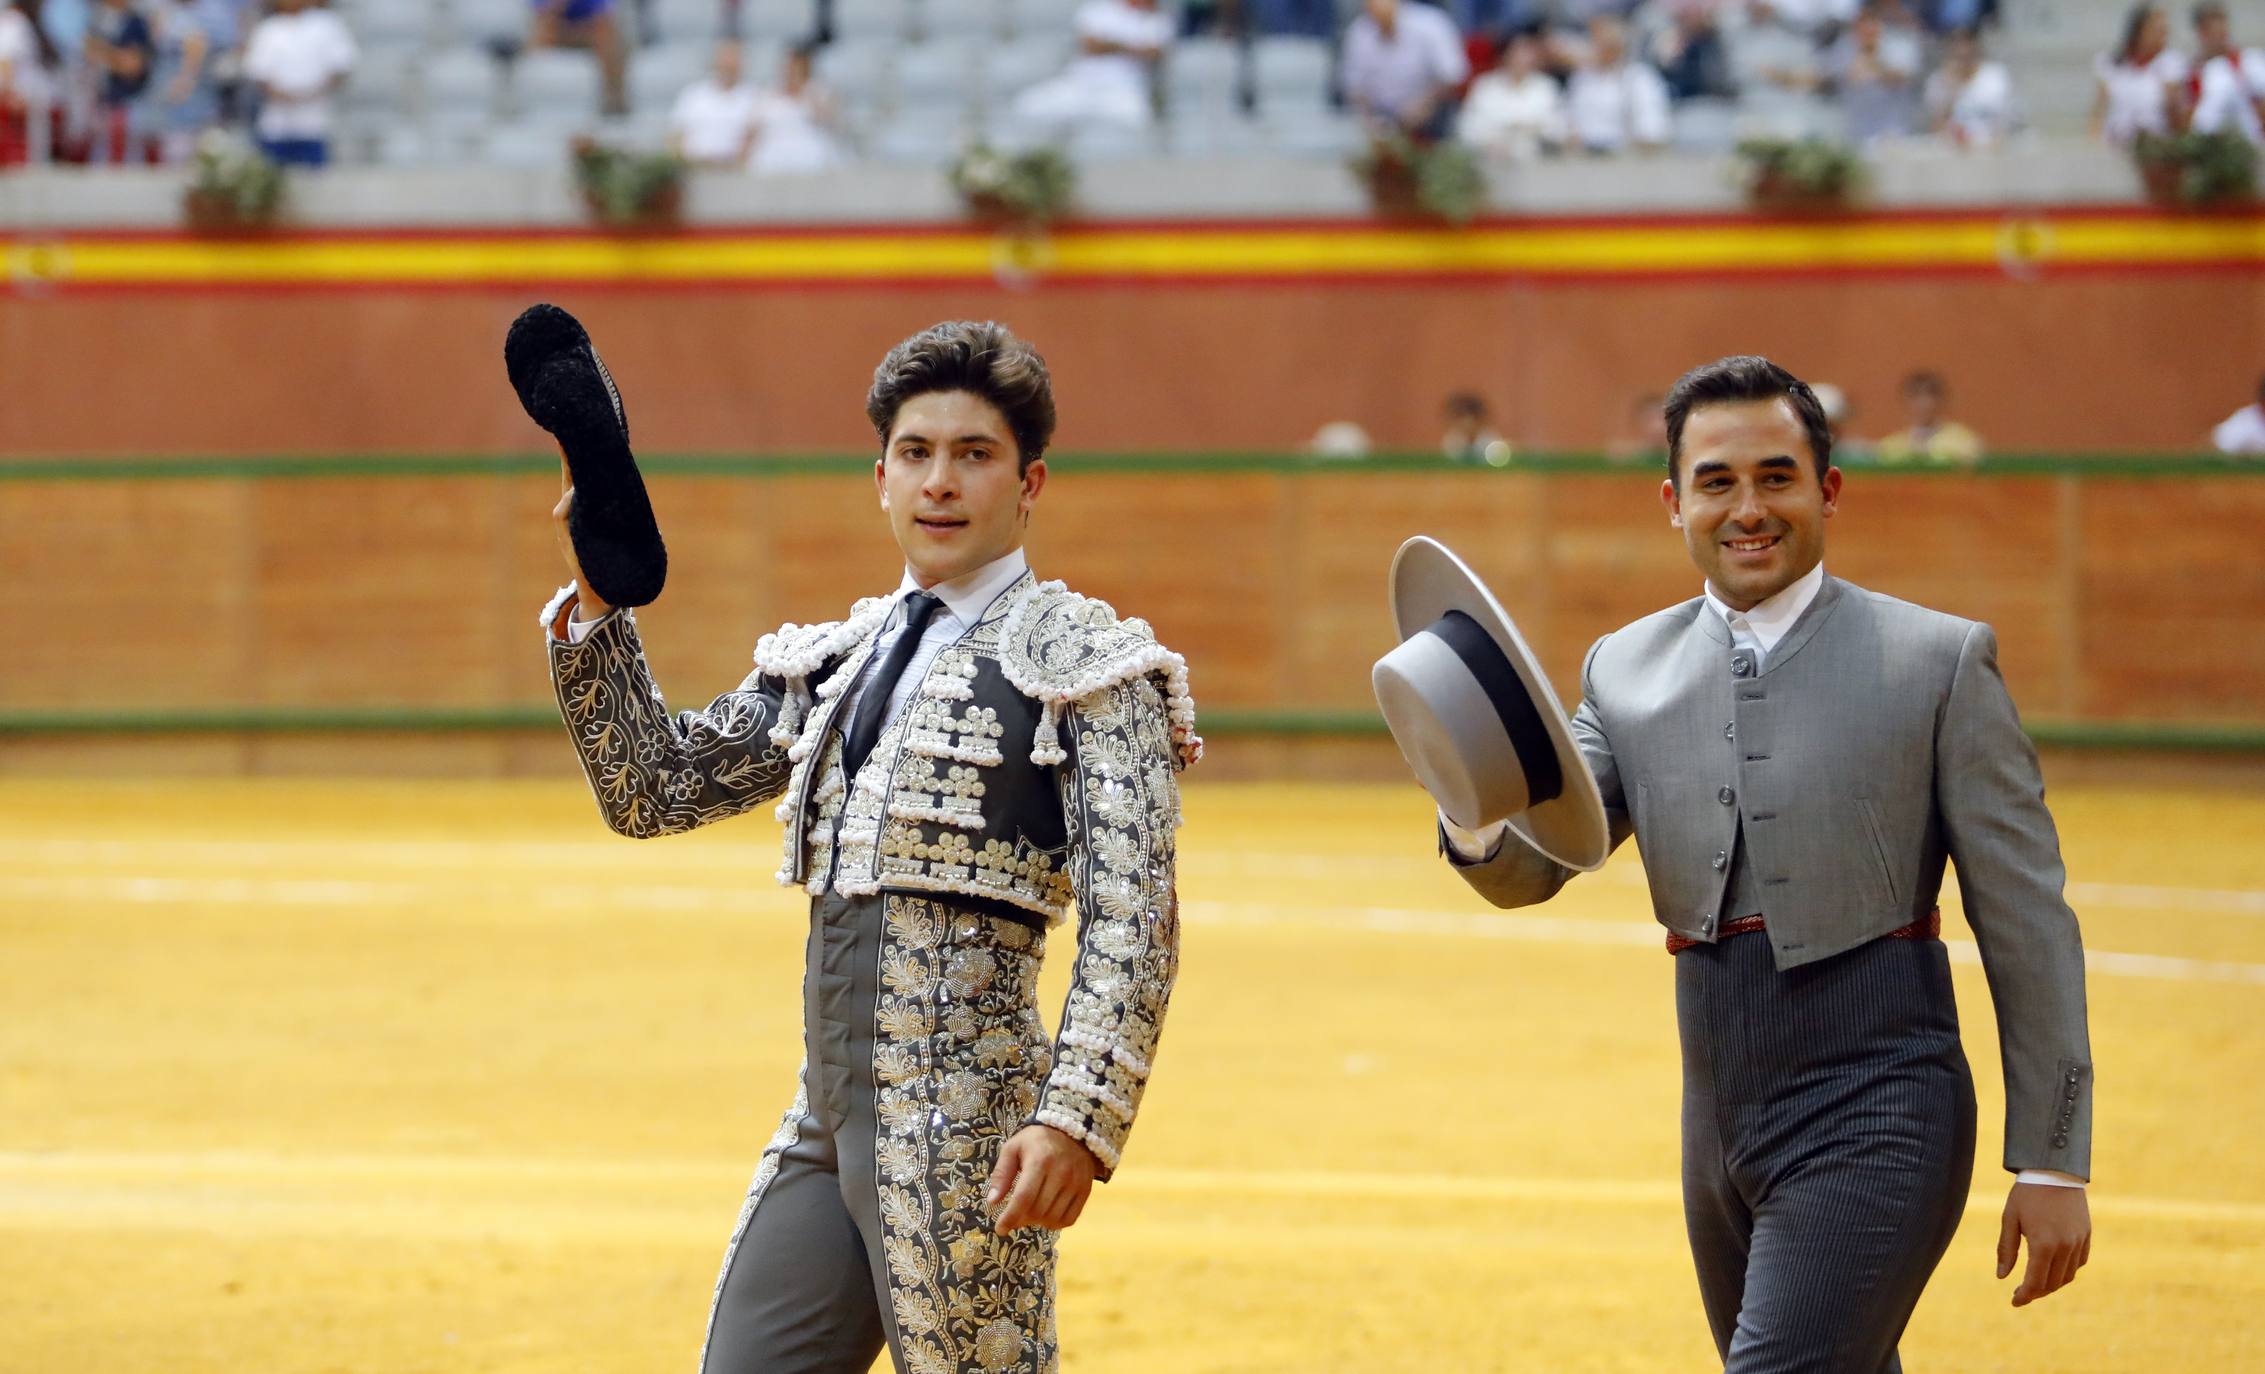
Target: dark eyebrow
{"x":1708,"y":469}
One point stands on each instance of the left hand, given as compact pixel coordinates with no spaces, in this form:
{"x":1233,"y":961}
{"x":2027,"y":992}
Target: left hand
{"x":2058,"y":1225}
{"x":1044,"y":1177}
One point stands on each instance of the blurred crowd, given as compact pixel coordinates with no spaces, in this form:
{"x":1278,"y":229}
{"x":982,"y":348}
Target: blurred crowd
{"x":796,"y":85}
{"x":1924,"y":432}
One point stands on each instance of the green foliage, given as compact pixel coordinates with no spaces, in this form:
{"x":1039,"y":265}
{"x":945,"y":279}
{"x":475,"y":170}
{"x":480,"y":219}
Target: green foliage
{"x":1801,"y":171}
{"x":232,"y":184}
{"x":1028,"y":190}
{"x":627,"y":188}
{"x":1437,"y":180}
{"x":2198,"y":169}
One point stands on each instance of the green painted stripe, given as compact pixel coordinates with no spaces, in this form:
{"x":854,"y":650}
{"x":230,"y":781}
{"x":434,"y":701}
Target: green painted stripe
{"x":291,"y":466}
{"x":2202,"y":736}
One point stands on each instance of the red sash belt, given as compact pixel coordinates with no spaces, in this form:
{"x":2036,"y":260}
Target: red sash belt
{"x":1927,"y":927}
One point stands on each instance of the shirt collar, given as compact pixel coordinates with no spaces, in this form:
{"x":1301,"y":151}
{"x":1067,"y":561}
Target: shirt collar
{"x":968,"y":596}
{"x":1770,"y":619}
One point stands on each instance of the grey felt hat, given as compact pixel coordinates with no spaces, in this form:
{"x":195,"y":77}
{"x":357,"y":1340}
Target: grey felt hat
{"x":1474,"y":716}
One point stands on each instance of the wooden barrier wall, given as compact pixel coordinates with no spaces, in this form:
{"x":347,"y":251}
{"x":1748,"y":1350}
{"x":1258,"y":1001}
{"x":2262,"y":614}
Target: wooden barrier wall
{"x":2079,"y":364}
{"x":2115,"y":598}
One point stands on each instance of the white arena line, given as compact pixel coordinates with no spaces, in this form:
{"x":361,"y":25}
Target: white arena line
{"x":197,"y":1173}
{"x":1508,"y":925}
{"x":754,"y":862}
{"x":504,"y":894}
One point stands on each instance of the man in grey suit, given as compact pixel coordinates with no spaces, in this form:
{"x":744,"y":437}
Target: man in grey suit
{"x":1797,"y":757}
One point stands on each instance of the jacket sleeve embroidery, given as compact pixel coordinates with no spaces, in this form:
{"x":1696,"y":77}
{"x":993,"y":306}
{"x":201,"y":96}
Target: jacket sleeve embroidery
{"x":1120,"y":801}
{"x":654,"y":774}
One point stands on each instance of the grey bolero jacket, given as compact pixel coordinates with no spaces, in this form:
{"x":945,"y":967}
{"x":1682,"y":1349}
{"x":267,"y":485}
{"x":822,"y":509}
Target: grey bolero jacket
{"x":1875,"y":742}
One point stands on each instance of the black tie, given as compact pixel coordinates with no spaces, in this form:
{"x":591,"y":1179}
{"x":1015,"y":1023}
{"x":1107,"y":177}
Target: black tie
{"x":873,"y":698}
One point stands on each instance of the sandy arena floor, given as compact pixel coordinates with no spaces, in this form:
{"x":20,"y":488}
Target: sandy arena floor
{"x":302,"y":1077}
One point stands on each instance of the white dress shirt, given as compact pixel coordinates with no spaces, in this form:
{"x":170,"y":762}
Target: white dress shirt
{"x":965,"y":600}
{"x":1758,"y":631}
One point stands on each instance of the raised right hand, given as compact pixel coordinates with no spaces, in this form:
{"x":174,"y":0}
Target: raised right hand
{"x":590,"y":606}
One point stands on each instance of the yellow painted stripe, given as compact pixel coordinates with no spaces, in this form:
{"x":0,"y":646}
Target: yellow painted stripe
{"x":1636,"y":249}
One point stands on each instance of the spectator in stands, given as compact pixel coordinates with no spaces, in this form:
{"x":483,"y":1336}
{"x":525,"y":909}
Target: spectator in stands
{"x":1615,"y":103}
{"x":713,"y":121}
{"x":586,"y":24}
{"x":1469,"y":434}
{"x":1875,"y":74}
{"x":794,"y":124}
{"x":2244,"y":430}
{"x":2139,"y":81}
{"x":27,"y":58}
{"x":1643,"y":438}
{"x":1112,"y":78}
{"x":1690,"y":53}
{"x":120,"y":53}
{"x":2228,"y":83}
{"x":1517,"y":111}
{"x":1931,"y":437}
{"x":299,"y":56}
{"x":1403,"y":63}
{"x":1970,"y":100}
{"x":184,"y":98}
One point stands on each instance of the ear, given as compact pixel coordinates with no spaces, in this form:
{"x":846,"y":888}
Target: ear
{"x":1831,"y":485}
{"x":880,"y":479}
{"x":1033,"y":482}
{"x":1673,"y":500}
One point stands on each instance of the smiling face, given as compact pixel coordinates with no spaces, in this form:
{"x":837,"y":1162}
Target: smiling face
{"x":950,"y":484}
{"x":1750,"y":503}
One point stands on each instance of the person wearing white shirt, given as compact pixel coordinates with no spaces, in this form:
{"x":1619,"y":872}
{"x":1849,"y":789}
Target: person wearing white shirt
{"x":1401,"y":65}
{"x":1969,"y":100}
{"x":1614,"y":102}
{"x":2228,"y":85}
{"x":2138,"y":82}
{"x":24,"y":85}
{"x":2244,"y":430}
{"x":1517,"y":111}
{"x":1110,"y":81}
{"x":794,"y":124}
{"x":299,"y":55}
{"x":713,"y":121}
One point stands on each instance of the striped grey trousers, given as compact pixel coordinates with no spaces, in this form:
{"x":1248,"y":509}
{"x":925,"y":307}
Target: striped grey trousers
{"x":1828,"y":1141}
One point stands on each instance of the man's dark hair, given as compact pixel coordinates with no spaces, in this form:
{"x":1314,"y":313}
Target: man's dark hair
{"x":1926,"y":379}
{"x":1744,"y":378}
{"x":975,"y":356}
{"x":1468,"y":403}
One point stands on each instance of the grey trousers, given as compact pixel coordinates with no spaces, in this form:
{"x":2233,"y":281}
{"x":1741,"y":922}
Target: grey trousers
{"x":865,"y":1226}
{"x":802,"y":1289}
{"x":1828,"y":1142}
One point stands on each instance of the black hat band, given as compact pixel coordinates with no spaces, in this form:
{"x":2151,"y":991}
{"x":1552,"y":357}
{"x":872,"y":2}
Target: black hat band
{"x":1521,"y":719}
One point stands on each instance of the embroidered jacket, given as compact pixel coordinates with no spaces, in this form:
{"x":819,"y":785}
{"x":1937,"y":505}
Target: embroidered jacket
{"x":1034,"y":766}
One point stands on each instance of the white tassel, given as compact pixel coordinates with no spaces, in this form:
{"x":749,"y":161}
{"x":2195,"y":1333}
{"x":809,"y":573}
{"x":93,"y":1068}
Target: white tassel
{"x":1046,"y":742}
